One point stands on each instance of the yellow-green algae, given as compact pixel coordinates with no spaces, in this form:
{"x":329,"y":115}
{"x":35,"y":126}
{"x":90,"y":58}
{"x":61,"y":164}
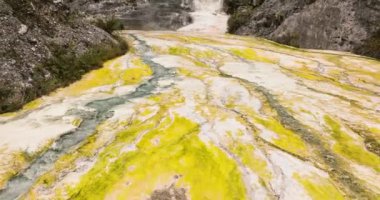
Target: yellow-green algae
{"x":251,"y":54}
{"x":170,"y":133}
{"x":111,"y":73}
{"x":247,"y":155}
{"x":287,"y":139}
{"x":13,"y":162}
{"x":189,"y":39}
{"x":198,"y":57}
{"x":348,"y":147}
{"x":198,"y":74}
{"x":76,"y":122}
{"x":308,"y":74}
{"x":205,"y":170}
{"x":137,"y":73}
{"x":179,"y":50}
{"x":87,"y":150}
{"x":27,"y":107}
{"x":319,"y":188}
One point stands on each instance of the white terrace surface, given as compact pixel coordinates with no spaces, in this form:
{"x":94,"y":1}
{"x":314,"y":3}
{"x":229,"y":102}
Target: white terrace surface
{"x":203,"y":117}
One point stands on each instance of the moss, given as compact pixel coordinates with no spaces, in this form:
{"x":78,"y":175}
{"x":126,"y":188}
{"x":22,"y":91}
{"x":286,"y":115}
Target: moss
{"x":349,"y":147}
{"x":318,"y":188}
{"x":251,"y":54}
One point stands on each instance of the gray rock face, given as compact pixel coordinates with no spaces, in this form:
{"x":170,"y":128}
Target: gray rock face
{"x":159,"y":15}
{"x":351,"y":25}
{"x":47,"y":44}
{"x":137,"y":14}
{"x":38,"y":39}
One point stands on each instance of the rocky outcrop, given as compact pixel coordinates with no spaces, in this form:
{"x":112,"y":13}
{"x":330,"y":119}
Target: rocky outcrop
{"x":44,"y":45}
{"x":351,"y":25}
{"x":159,"y":15}
{"x":137,"y":14}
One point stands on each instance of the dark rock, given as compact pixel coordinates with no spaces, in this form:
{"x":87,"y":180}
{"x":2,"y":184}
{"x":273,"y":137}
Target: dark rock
{"x":158,"y":15}
{"x":351,"y":25}
{"x":171,"y":193}
{"x":34,"y":35}
{"x":136,"y":14}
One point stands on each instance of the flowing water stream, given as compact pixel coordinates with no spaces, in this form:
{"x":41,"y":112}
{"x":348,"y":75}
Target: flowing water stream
{"x":101,"y":110}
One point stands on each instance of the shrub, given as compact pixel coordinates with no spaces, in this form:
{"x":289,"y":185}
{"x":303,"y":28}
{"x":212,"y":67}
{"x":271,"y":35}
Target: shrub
{"x":66,"y":67}
{"x":110,"y":25}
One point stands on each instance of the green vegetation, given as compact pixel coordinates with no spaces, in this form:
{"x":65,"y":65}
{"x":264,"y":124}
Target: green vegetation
{"x":67,"y":67}
{"x":111,"y":73}
{"x":110,"y":25}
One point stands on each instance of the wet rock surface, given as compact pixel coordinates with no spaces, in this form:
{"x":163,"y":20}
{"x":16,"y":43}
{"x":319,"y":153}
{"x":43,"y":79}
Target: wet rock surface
{"x":320,"y":24}
{"x":186,"y":116}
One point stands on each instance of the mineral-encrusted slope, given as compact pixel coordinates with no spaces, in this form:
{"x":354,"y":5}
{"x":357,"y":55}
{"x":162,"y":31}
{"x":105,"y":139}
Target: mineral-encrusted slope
{"x":186,"y":116}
